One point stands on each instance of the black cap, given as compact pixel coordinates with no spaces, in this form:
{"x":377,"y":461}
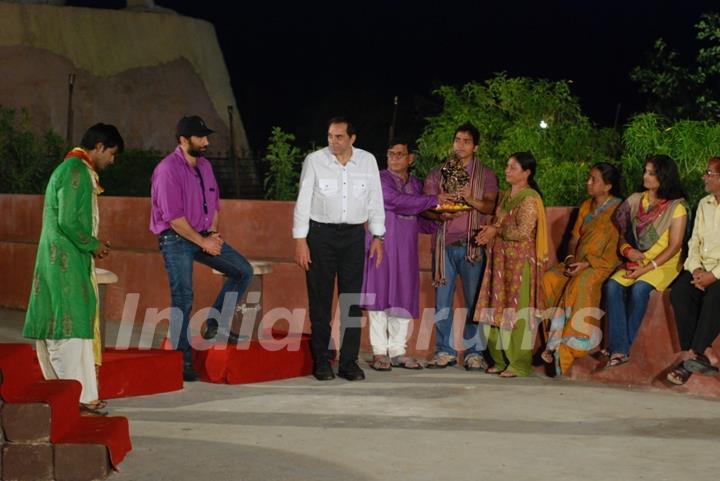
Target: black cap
{"x":192,"y":125}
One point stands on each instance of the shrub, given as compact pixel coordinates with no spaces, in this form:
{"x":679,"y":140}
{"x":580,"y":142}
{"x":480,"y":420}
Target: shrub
{"x":26,"y":159}
{"x":689,"y":142}
{"x":522,"y":114}
{"x":281,"y":179}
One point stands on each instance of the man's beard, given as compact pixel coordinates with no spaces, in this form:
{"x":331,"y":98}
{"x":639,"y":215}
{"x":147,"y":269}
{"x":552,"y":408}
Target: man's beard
{"x":195,"y":152}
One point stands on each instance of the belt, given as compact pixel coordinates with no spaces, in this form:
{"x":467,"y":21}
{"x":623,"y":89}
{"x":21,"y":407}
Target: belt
{"x":459,"y":243}
{"x":335,"y":226}
{"x":203,"y":233}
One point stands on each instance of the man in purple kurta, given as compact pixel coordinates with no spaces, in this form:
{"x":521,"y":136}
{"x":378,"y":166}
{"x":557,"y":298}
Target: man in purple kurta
{"x":395,"y":282}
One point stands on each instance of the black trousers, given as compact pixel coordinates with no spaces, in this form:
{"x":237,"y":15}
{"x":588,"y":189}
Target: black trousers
{"x":697,"y":313}
{"x":336,"y":250}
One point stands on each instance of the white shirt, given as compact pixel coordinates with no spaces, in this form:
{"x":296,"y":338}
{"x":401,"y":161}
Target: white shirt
{"x":704,"y":245}
{"x":333,"y":193}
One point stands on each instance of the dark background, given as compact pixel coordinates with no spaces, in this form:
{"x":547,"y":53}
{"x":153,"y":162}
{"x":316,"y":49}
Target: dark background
{"x":295,"y":65}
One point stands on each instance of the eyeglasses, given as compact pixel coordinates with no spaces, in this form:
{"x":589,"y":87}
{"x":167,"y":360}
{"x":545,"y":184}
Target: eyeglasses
{"x":711,"y":173}
{"x":398,"y":155}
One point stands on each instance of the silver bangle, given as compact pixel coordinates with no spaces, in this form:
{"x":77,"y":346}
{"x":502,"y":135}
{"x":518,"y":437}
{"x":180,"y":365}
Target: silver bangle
{"x":652,"y":261}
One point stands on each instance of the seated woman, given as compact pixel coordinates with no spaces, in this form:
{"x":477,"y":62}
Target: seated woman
{"x":652,"y":228}
{"x":574,"y":287}
{"x":517,"y":252}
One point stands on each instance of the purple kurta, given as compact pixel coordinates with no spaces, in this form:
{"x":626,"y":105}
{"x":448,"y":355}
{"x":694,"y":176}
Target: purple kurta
{"x":396,"y":281}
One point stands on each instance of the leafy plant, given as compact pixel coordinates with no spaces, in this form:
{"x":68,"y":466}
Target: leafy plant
{"x":677,"y":91}
{"x":130,"y":174}
{"x":26,"y":159}
{"x":281,"y":179}
{"x":522,"y":114}
{"x":689,"y":142}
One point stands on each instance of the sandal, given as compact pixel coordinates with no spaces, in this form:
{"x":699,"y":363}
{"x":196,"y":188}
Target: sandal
{"x":617,"y":361}
{"x":89,"y":410}
{"x":701,"y":365}
{"x":548,"y":357}
{"x":475,"y":362}
{"x":441,"y":360}
{"x":381,"y":363}
{"x":493,"y":370}
{"x":405,"y":362}
{"x":679,"y":375}
{"x":507,"y":374}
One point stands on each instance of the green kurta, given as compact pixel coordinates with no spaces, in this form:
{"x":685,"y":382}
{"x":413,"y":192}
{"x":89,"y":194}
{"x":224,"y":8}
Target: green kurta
{"x":62,"y":302}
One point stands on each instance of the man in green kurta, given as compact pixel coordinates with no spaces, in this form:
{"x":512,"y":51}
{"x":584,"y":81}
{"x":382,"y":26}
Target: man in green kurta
{"x":62,"y":310}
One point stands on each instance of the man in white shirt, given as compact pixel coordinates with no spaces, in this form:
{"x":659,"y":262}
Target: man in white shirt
{"x":339,"y":191}
{"x":695,"y":295}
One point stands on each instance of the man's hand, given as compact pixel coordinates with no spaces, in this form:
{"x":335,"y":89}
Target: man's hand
{"x":302,"y":254}
{"x":445,"y":198}
{"x":702,"y":279}
{"x":216,"y":235}
{"x":464,"y":194}
{"x":376,"y":250}
{"x":211,"y":245}
{"x":103,"y":250}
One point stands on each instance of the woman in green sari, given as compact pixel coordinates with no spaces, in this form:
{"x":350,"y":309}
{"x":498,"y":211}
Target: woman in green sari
{"x":509,"y":301}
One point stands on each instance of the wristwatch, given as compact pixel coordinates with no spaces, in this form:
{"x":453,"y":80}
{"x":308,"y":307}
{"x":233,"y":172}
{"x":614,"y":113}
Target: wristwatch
{"x":381,"y":238}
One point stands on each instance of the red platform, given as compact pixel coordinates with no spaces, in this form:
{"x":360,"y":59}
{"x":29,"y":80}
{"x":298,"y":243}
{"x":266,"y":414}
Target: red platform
{"x":271,"y":357}
{"x":135,"y":372}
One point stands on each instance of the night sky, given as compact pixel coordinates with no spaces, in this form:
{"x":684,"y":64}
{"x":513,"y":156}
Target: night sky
{"x":295,"y":65}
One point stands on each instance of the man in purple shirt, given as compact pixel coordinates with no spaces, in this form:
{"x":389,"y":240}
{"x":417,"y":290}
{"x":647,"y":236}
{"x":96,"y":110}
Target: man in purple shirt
{"x":456,"y":254}
{"x":185,"y":205}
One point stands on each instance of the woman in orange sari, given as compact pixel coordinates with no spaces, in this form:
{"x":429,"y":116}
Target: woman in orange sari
{"x":574,"y":287}
{"x":517,"y":251}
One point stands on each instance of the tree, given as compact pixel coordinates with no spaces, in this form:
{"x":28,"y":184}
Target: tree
{"x":281,"y":180}
{"x":522,"y":114}
{"x":677,"y":91}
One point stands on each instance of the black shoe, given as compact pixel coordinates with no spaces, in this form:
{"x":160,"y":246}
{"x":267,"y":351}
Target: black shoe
{"x":209,"y":330}
{"x":323,"y":372}
{"x":351,"y":372}
{"x":189,"y":374}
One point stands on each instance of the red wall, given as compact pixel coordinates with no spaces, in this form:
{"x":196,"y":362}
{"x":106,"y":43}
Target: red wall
{"x":261,"y":230}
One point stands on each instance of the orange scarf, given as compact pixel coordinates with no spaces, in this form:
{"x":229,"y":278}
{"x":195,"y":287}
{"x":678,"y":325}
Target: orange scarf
{"x":81,"y":154}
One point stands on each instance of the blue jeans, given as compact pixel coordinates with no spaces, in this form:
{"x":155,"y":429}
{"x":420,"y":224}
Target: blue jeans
{"x":179,"y":255}
{"x":625,"y":312}
{"x":471,"y":275}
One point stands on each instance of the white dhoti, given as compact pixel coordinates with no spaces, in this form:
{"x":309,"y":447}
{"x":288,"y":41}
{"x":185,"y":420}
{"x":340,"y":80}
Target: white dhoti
{"x":70,"y":359}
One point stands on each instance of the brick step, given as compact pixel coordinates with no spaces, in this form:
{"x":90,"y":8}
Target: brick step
{"x":57,"y":401}
{"x":112,"y":433}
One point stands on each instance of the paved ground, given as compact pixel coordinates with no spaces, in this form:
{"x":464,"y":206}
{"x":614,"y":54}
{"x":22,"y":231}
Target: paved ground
{"x":424,"y":425}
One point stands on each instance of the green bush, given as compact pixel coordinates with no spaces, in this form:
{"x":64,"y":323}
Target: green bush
{"x":130,"y":174}
{"x":690,"y":143}
{"x":508,"y":113}
{"x":26,"y":159}
{"x":281,"y":180}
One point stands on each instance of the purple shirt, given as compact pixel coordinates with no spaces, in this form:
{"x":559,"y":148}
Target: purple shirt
{"x":456,"y":229}
{"x":177,"y":191}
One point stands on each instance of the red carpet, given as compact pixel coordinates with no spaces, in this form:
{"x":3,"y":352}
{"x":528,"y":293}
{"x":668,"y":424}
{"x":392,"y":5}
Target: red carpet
{"x":272,"y":358}
{"x":134,"y":372}
{"x":22,"y":382}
